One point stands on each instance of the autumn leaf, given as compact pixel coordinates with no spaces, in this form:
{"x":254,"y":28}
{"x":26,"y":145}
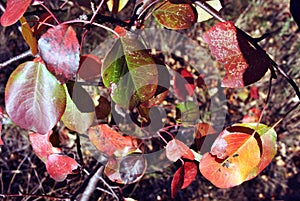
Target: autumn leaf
{"x":176,"y":149}
{"x":107,"y":140}
{"x":116,"y":6}
{"x":240,"y":61}
{"x":59,"y":48}
{"x":126,"y":169}
{"x":175,"y":16}
{"x":177,"y":181}
{"x":34,"y":99}
{"x":183,"y":177}
{"x":59,"y":166}
{"x":29,"y":36}
{"x":233,"y":156}
{"x":203,"y":129}
{"x":14,"y":11}
{"x":42,"y":146}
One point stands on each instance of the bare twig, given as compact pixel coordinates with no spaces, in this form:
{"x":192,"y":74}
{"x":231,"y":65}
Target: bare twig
{"x":16,"y":58}
{"x":90,"y":188}
{"x":48,"y":197}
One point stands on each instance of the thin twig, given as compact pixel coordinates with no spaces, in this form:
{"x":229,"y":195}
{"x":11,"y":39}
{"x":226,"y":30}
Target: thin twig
{"x":97,"y":11}
{"x":16,"y":58}
{"x":47,"y":9}
{"x":34,"y":196}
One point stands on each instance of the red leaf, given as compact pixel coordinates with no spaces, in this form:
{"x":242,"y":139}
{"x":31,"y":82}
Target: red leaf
{"x":121,"y":31}
{"x":90,"y":67}
{"x":59,"y":48}
{"x":183,"y":177}
{"x":34,"y":99}
{"x":177,"y":181}
{"x":107,"y":140}
{"x":14,"y":11}
{"x":190,"y":173}
{"x":254,"y":92}
{"x":183,"y":84}
{"x":42,"y":146}
{"x":176,"y":149}
{"x":240,"y":59}
{"x":59,"y":166}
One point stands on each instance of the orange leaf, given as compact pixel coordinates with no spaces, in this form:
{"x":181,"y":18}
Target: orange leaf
{"x":107,"y":140}
{"x":203,"y":129}
{"x":233,"y":156}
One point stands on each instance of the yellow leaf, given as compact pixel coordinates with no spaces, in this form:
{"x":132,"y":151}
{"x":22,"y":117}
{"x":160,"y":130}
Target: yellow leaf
{"x":203,"y":15}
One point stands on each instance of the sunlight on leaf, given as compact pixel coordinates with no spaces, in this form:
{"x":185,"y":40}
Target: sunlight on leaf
{"x":203,"y":15}
{"x":34,"y":99}
{"x":127,"y":169}
{"x":176,"y":149}
{"x":74,"y":119}
{"x":175,"y":16}
{"x":234,"y":155}
{"x":116,"y":5}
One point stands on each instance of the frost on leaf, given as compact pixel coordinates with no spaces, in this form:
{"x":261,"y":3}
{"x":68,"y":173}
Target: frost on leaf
{"x":243,"y":63}
{"x":59,"y":48}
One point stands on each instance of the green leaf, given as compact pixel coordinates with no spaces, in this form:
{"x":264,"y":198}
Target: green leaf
{"x":175,"y":16}
{"x":74,"y":119}
{"x":34,"y":98}
{"x":130,"y":72}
